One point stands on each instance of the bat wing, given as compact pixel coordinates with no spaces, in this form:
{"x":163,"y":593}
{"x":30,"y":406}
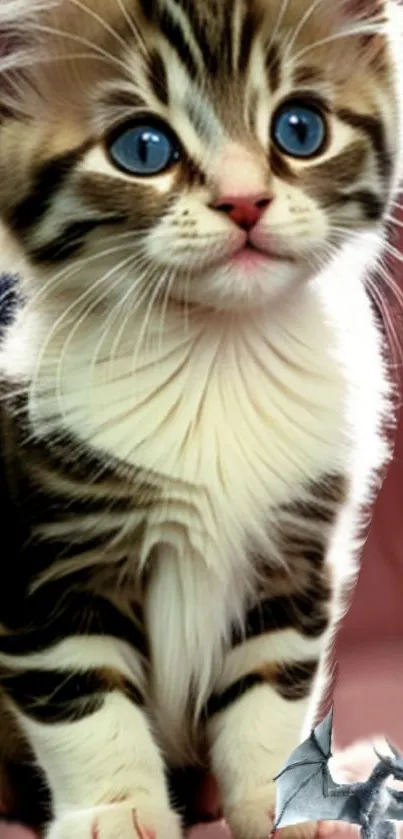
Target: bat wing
{"x":308,"y":793}
{"x":305,"y":790}
{"x":394,"y":811}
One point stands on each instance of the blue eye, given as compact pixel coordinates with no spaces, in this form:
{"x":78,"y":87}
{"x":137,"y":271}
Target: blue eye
{"x":299,"y":129}
{"x":143,"y":149}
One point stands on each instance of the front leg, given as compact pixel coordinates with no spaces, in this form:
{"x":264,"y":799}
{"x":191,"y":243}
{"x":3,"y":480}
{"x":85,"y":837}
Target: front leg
{"x":261,"y":705}
{"x":80,"y":705}
{"x":254,"y":726}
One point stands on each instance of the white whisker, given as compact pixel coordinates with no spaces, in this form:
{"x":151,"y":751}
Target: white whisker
{"x":99,"y":19}
{"x":353,"y":32}
{"x":79,"y":39}
{"x":141,"y":289}
{"x":100,"y":282}
{"x":291,"y":40}
{"x":59,"y":322}
{"x":133,"y":27}
{"x":72,"y":270}
{"x":278,"y":23}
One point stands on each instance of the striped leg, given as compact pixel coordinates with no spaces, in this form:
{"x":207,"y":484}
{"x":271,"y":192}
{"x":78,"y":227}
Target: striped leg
{"x":79,"y":704}
{"x":259,"y":707}
{"x":255,"y":723}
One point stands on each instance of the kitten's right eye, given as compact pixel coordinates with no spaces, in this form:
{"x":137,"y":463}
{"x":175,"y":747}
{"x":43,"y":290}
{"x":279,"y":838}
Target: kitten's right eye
{"x":144,"y":148}
{"x":299,"y":129}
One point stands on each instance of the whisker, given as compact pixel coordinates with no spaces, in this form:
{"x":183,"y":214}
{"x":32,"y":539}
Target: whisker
{"x":147,"y":319}
{"x":102,"y":22}
{"x":58,"y":323}
{"x":278,"y":23}
{"x":394,"y":342}
{"x":143,"y":288}
{"x":70,"y":271}
{"x":394,"y":221}
{"x":83,"y":317}
{"x":164,"y":308}
{"x":133,"y":27}
{"x":79,"y":39}
{"x":300,"y":25}
{"x":353,"y":32}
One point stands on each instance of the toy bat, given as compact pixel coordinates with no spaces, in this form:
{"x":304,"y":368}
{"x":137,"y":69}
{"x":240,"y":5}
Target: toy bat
{"x":307,"y":792}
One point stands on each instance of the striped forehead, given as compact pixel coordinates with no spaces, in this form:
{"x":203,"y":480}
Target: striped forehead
{"x":207,"y":63}
{"x":210,"y":36}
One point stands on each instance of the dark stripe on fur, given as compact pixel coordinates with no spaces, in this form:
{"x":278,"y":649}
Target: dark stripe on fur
{"x":304,"y":613}
{"x":246,"y":41}
{"x":78,"y":614}
{"x":38,"y":483}
{"x":298,"y":594}
{"x":51,"y":696}
{"x":71,"y":239}
{"x":148,"y":8}
{"x":372,"y":205}
{"x":220,"y":701}
{"x":375,"y":131}
{"x":292,"y":681}
{"x":214,"y":61}
{"x":158,"y":78}
{"x":325,"y":498}
{"x":177,"y":39}
{"x":338,"y":172}
{"x":273,"y":66}
{"x":122,"y":104}
{"x":308,"y":76}
{"x":54,"y":696}
{"x":48,"y":181}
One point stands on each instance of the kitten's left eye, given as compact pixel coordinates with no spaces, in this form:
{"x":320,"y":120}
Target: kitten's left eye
{"x":299,"y":129}
{"x":144,"y":148}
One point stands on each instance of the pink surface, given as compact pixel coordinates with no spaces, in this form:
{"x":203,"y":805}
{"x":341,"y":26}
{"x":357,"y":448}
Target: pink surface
{"x":369,"y":692}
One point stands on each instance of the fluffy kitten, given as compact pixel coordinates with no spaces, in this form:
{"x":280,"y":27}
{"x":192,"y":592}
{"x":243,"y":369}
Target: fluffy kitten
{"x":193,"y":386}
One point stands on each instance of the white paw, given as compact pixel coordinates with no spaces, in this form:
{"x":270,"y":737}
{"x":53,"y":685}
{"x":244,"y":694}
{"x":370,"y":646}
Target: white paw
{"x":118,"y":821}
{"x":253,"y":818}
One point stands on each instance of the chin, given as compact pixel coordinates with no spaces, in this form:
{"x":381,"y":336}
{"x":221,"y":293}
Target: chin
{"x":241,"y":286}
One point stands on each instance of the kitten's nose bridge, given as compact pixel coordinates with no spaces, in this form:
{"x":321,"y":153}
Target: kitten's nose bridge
{"x":241,"y":185}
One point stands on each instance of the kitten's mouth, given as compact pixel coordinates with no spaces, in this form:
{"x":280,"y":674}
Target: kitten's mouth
{"x":250,"y":256}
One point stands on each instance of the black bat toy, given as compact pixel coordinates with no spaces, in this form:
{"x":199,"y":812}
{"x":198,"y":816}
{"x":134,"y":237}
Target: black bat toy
{"x":307,"y":792}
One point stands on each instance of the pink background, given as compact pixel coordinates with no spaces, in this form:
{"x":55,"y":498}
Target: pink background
{"x":369,"y":690}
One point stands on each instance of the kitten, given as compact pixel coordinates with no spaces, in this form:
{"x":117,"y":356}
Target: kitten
{"x":193,"y":386}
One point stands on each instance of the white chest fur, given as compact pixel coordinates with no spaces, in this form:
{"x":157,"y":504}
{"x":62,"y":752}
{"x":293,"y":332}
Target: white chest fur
{"x":232,"y":409}
{"x":232,"y":414}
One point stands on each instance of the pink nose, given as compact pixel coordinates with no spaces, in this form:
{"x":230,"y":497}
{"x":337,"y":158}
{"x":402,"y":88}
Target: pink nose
{"x":244,"y":210}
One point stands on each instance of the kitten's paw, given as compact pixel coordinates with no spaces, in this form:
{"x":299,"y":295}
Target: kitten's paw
{"x":118,"y":821}
{"x":253,"y":818}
